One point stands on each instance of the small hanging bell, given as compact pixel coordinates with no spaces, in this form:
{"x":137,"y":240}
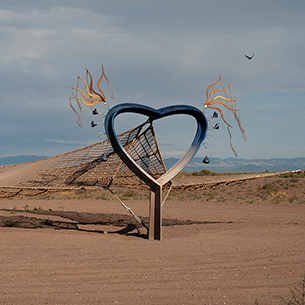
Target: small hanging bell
{"x":93,"y":124}
{"x":216,"y":126}
{"x":206,"y":160}
{"x":94,"y":111}
{"x":215,"y":115}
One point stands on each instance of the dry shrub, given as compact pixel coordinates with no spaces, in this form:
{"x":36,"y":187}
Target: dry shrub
{"x":271,"y":188}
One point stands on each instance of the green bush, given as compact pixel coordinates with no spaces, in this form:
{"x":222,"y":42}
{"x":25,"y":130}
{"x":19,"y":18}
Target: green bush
{"x":205,"y":172}
{"x":300,"y":174}
{"x":271,"y":188}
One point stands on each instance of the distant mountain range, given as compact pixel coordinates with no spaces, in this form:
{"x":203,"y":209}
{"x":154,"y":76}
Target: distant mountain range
{"x":242,"y":165}
{"x":216,"y":164}
{"x":20,"y":159}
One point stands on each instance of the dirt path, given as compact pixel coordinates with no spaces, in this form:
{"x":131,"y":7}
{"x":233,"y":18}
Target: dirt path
{"x":241,"y":252}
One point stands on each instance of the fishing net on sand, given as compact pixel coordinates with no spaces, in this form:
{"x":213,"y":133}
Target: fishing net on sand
{"x":96,"y":165}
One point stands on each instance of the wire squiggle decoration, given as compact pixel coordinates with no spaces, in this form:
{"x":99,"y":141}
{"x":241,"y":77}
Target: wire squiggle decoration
{"x":91,"y":96}
{"x":229,"y":102}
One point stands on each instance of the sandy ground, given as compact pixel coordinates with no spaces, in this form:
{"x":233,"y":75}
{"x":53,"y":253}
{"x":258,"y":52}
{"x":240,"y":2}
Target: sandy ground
{"x":239,"y":253}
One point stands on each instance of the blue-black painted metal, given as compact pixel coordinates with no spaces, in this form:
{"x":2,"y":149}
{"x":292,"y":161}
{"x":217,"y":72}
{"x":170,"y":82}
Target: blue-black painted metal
{"x":154,"y":114}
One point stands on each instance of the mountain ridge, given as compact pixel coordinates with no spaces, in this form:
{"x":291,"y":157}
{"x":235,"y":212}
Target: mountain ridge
{"x":20,"y":159}
{"x":216,"y":164}
{"x":242,"y":165}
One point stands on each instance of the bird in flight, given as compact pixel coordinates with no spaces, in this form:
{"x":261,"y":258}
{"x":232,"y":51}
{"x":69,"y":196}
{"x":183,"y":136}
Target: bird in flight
{"x":249,"y":57}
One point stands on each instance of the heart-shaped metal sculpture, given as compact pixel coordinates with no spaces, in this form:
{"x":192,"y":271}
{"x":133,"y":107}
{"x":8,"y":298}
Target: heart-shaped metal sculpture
{"x":154,"y":114}
{"x":155,"y":210}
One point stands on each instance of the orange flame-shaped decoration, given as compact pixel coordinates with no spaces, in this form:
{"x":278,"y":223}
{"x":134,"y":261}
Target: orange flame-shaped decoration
{"x":90,"y":97}
{"x":229,"y":102}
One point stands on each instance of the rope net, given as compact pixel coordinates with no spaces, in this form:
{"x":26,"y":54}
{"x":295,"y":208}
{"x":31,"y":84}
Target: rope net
{"x":96,"y":165}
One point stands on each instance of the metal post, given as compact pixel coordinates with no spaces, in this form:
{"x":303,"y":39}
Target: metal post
{"x":155,"y":213}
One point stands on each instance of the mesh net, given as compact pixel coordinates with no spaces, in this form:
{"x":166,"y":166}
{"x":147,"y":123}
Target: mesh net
{"x":96,"y":165}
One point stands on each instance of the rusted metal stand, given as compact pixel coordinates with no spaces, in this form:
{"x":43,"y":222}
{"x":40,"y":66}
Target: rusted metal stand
{"x":155,"y":213}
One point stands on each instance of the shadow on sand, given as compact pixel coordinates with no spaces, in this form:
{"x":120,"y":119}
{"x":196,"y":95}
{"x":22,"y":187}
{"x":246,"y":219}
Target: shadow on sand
{"x":86,"y":222}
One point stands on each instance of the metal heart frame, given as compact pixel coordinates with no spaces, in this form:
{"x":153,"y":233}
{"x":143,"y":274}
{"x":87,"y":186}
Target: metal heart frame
{"x":155,"y":184}
{"x":154,"y":115}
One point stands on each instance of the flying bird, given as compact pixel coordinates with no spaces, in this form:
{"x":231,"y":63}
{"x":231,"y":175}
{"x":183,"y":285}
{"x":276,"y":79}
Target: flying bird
{"x":249,"y":57}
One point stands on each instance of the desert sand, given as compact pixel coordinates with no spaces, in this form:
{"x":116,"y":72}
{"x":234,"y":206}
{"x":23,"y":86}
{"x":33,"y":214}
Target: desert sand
{"x":230,"y":245}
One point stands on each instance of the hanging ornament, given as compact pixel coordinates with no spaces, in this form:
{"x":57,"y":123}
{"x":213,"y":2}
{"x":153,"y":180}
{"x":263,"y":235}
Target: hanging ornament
{"x":215,"y":115}
{"x":216,"y":126}
{"x":93,"y":124}
{"x":206,"y":160}
{"x":94,"y":111}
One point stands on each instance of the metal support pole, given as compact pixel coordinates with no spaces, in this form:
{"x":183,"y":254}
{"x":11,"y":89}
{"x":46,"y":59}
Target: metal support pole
{"x":155,"y":213}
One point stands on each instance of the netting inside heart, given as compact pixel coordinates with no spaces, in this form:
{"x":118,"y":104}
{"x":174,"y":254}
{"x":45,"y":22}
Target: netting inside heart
{"x":181,"y":127}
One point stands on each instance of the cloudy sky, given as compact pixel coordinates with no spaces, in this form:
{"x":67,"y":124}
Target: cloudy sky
{"x":156,"y":53}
